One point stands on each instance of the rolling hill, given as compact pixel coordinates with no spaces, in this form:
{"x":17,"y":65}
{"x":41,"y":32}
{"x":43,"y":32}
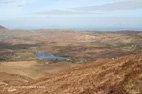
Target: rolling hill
{"x":119,"y":76}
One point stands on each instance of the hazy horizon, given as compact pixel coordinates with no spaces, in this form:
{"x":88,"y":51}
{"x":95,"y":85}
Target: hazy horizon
{"x":102,"y":15}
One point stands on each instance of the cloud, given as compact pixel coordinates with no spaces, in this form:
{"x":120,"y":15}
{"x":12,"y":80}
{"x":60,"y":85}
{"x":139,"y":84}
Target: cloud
{"x":66,"y":12}
{"x":11,"y":9}
{"x":96,"y":9}
{"x":121,"y":5}
{"x":15,"y":2}
{"x":6,"y":2}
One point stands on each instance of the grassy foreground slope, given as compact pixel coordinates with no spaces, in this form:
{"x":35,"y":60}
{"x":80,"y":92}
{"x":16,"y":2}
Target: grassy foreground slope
{"x":11,"y":80}
{"x":121,"y":76}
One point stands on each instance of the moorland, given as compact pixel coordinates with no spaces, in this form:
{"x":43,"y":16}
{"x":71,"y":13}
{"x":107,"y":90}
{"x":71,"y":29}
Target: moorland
{"x":101,"y":62}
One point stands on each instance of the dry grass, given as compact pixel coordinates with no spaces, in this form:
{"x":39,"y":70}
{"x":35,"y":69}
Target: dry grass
{"x":33,"y":69}
{"x":122,"y":76}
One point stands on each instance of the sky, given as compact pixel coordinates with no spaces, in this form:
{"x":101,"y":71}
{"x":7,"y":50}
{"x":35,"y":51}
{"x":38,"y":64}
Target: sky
{"x":72,"y":14}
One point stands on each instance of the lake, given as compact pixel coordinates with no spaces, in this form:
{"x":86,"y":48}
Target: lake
{"x":41,"y":55}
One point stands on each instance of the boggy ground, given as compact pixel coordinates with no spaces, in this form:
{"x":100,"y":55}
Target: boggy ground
{"x":80,"y":46}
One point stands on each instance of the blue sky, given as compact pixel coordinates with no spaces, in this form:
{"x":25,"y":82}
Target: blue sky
{"x":72,"y":14}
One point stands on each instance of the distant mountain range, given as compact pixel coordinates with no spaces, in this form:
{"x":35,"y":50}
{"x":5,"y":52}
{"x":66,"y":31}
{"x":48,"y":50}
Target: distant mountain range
{"x":2,"y":27}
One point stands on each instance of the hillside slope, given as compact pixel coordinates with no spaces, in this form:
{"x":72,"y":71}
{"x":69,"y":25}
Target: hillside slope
{"x":121,"y":76}
{"x":11,"y":80}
